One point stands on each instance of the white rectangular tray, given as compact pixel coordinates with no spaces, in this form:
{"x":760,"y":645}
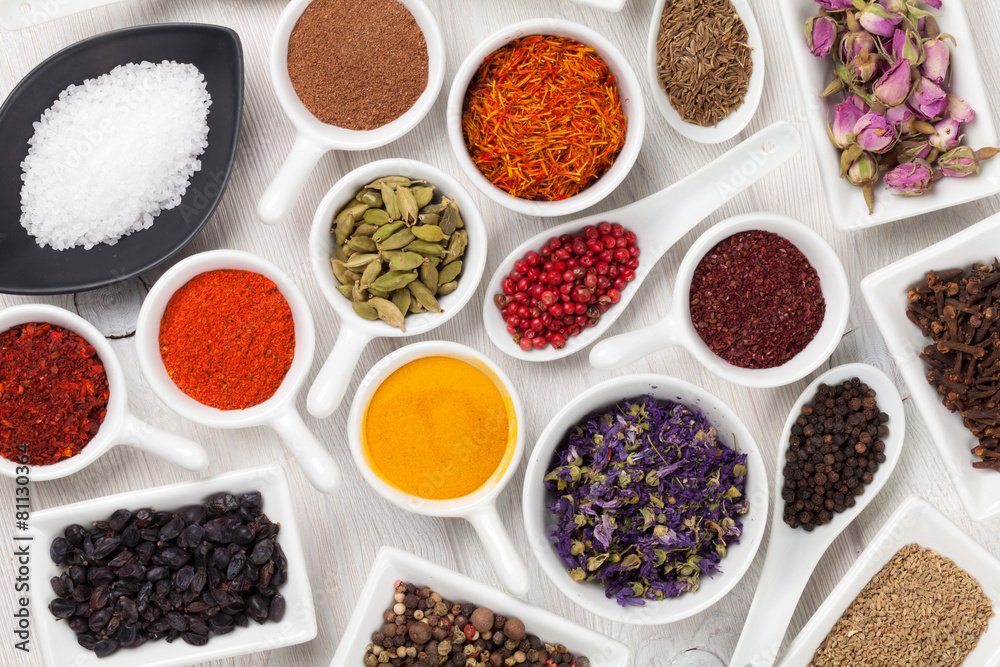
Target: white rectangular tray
{"x":847,"y":206}
{"x":56,"y":639}
{"x":914,"y":521}
{"x":885,"y":291}
{"x":393,"y":565}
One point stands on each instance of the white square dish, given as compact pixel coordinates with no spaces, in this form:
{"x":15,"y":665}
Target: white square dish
{"x":56,"y":640}
{"x":847,"y":206}
{"x":915,"y":521}
{"x":393,"y":565}
{"x":885,"y":291}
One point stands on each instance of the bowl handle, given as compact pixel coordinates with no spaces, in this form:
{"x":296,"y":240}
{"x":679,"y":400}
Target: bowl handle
{"x":329,"y":387}
{"x":175,"y":449}
{"x":281,"y":195}
{"x":504,"y":556}
{"x":315,"y":461}
{"x":623,"y":349}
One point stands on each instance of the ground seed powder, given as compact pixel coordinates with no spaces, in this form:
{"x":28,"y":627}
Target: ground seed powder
{"x":357,"y":64}
{"x":920,"y":609}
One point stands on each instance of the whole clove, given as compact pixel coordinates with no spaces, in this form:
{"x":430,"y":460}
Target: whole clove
{"x":959,"y":312}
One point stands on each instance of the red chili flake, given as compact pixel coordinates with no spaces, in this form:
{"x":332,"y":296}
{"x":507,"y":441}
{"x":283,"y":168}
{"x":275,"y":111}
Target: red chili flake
{"x":756,"y":300}
{"x":53,"y":393}
{"x":227,"y":338}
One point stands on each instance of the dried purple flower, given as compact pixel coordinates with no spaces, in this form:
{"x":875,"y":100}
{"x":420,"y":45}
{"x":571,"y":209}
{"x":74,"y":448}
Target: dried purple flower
{"x":913,"y":178}
{"x":646,"y":499}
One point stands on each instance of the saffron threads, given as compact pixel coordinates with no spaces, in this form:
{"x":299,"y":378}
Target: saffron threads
{"x":542,"y":118}
{"x":227,"y":338}
{"x":53,"y":393}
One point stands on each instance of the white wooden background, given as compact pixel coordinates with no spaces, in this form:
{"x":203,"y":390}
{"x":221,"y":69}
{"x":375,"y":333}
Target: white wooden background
{"x":348,"y":528}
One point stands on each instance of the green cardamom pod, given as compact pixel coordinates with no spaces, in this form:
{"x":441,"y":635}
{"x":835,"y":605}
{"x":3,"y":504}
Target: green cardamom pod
{"x":402,"y":298}
{"x":356,"y":209}
{"x":449,"y":220}
{"x":371,"y":197}
{"x":385,"y":231}
{"x":387,"y":255}
{"x":398,"y":240}
{"x":430,"y":233}
{"x":346,"y":290}
{"x":425,"y":248}
{"x":414,"y":306}
{"x":365,"y":229}
{"x":377,"y":293}
{"x":359,"y":260}
{"x":343,"y":227}
{"x":406,"y":261}
{"x":423,"y":194}
{"x":366,"y":311}
{"x":456,"y":246}
{"x":424,"y":296}
{"x":458,"y":213}
{"x":449,"y":272}
{"x":372,"y":271}
{"x":340,"y":254}
{"x":352,"y":277}
{"x":434,"y":209}
{"x":339,"y":271}
{"x":408,"y":209}
{"x":362,"y":243}
{"x":447,"y":288}
{"x":357,"y":293}
{"x":376,"y":216}
{"x":390,"y":180}
{"x":388,"y":312}
{"x":389,"y":199}
{"x":428,"y":218}
{"x":394,"y":280}
{"x":429,"y":277}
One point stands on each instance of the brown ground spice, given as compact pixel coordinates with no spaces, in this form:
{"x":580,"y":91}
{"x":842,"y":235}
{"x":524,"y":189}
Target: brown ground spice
{"x":920,"y":609}
{"x":357,"y":64}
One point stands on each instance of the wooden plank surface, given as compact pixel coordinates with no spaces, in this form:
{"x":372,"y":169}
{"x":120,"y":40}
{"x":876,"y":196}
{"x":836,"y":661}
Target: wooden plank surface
{"x":348,"y":528}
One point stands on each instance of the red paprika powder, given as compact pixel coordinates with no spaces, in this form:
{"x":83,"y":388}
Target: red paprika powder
{"x":227,"y":338}
{"x":53,"y":393}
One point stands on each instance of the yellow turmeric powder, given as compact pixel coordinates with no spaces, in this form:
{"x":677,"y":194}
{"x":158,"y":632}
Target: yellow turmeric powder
{"x":439,"y":428}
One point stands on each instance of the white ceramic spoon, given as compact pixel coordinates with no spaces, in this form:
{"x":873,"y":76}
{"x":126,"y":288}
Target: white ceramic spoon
{"x":792,"y":553}
{"x":732,"y":124}
{"x":658,"y":221}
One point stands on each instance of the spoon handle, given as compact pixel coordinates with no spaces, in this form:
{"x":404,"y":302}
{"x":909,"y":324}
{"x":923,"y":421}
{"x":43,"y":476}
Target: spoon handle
{"x":786,"y":572}
{"x":330,"y":385}
{"x":664,"y":217}
{"x":314,"y":459}
{"x":280,"y":197}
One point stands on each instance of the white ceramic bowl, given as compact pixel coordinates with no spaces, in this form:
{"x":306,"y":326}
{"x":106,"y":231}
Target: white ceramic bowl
{"x":915,"y":521}
{"x":393,"y":565}
{"x":738,"y":119}
{"x":847,"y":206}
{"x":314,"y":138}
{"x":479,"y":508}
{"x":119,"y":425}
{"x":56,"y":640}
{"x":792,"y":553}
{"x":331,"y":383}
{"x":677,"y":330}
{"x":539,"y":522}
{"x":629,"y":91}
{"x":885,"y":291}
{"x":279,"y":411}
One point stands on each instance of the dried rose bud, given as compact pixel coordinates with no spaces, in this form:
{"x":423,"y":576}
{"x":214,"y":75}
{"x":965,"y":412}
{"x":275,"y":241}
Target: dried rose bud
{"x":913,"y":149}
{"x":946,"y":135}
{"x":905,"y":45}
{"x":928,"y":100}
{"x":854,"y":42}
{"x":845,"y":116}
{"x":874,"y":133}
{"x":913,"y":178}
{"x":959,"y":109}
{"x":937,"y":60}
{"x":864,"y":66}
{"x":835,"y":5}
{"x":875,"y":19}
{"x":902,"y":119}
{"x":893,"y":87}
{"x":821,"y":35}
{"x":959,"y":162}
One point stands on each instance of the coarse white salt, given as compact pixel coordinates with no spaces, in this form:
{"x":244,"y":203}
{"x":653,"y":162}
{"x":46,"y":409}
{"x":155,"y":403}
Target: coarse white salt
{"x":113,"y":152}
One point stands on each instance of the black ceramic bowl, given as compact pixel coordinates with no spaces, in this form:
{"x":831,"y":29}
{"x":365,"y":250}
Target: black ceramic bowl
{"x":27,"y":268}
